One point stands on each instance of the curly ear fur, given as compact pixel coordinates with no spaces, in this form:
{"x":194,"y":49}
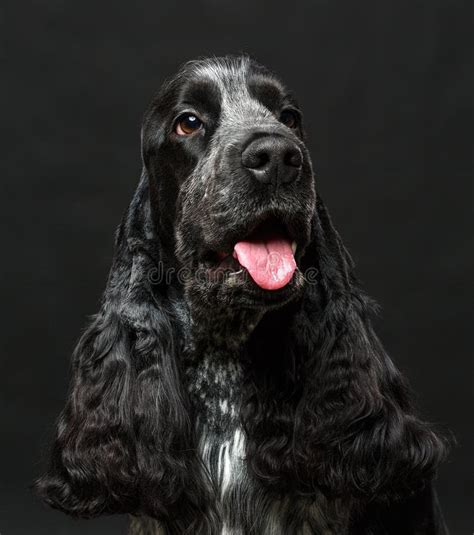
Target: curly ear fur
{"x":329,"y":409}
{"x":124,"y":439}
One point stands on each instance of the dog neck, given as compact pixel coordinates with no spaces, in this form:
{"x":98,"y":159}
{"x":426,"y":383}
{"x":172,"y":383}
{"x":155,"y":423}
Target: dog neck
{"x":205,"y":329}
{"x":214,"y":358}
{"x":222,"y":330}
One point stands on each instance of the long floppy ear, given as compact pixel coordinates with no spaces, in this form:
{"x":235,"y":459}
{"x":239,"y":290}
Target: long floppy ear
{"x":347,"y":425}
{"x":124,"y":441}
{"x":356,"y":419}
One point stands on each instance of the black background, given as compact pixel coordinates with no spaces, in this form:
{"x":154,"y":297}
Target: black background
{"x":386,"y":89}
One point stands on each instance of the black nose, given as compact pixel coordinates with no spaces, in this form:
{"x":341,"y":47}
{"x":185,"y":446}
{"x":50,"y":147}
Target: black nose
{"x":273,"y":160}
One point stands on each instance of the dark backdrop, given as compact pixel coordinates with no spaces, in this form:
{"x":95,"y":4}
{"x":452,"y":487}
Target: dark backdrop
{"x":386,"y":88}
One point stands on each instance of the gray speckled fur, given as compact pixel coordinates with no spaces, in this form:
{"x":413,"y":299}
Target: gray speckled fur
{"x":214,"y":350}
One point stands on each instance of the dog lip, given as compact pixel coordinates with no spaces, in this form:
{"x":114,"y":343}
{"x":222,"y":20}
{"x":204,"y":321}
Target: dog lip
{"x":262,"y":228}
{"x":281,"y":223}
{"x":268,"y":225}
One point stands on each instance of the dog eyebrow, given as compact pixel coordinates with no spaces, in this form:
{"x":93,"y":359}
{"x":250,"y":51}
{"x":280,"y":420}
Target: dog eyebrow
{"x":269,"y":92}
{"x":203,"y":94}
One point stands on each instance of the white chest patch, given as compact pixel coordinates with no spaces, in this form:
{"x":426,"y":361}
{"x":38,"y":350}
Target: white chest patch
{"x":224,"y":459}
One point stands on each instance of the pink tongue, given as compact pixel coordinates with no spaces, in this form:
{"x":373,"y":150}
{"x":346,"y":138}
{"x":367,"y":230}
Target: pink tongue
{"x":270,"y":262}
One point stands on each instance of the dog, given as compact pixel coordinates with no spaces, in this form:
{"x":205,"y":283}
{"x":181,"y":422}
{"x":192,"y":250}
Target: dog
{"x":231,"y":382}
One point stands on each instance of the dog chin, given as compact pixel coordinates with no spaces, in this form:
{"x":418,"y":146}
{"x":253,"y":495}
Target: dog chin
{"x":253,"y":296}
{"x":237,"y":289}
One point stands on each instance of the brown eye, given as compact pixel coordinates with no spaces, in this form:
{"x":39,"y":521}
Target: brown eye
{"x":187,"y":124}
{"x":289,"y":118}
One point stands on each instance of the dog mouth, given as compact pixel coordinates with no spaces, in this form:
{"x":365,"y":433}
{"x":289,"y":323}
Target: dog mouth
{"x":267,"y":254}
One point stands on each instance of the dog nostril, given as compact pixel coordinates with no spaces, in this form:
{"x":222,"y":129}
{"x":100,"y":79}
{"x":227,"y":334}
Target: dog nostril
{"x":261,"y":159}
{"x":256,"y":159}
{"x":293,"y":158}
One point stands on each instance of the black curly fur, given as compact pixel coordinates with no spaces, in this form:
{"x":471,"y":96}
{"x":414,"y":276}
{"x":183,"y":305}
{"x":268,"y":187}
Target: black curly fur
{"x":325,"y":411}
{"x":125,"y":439}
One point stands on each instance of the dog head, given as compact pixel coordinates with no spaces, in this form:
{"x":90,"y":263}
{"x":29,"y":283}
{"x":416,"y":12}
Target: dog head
{"x":223,"y":145}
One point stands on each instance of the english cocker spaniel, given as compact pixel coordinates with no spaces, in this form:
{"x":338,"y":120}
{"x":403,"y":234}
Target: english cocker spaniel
{"x":231,"y":382}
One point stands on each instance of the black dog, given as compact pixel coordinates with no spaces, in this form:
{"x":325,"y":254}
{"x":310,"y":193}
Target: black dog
{"x":232,"y":382}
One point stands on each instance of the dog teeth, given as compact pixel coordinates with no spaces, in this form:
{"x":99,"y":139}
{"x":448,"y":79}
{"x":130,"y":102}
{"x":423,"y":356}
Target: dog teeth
{"x":232,"y":277}
{"x":293,"y":247}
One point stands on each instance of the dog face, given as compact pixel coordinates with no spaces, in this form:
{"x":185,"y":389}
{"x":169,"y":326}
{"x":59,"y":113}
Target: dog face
{"x":233,"y":182}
